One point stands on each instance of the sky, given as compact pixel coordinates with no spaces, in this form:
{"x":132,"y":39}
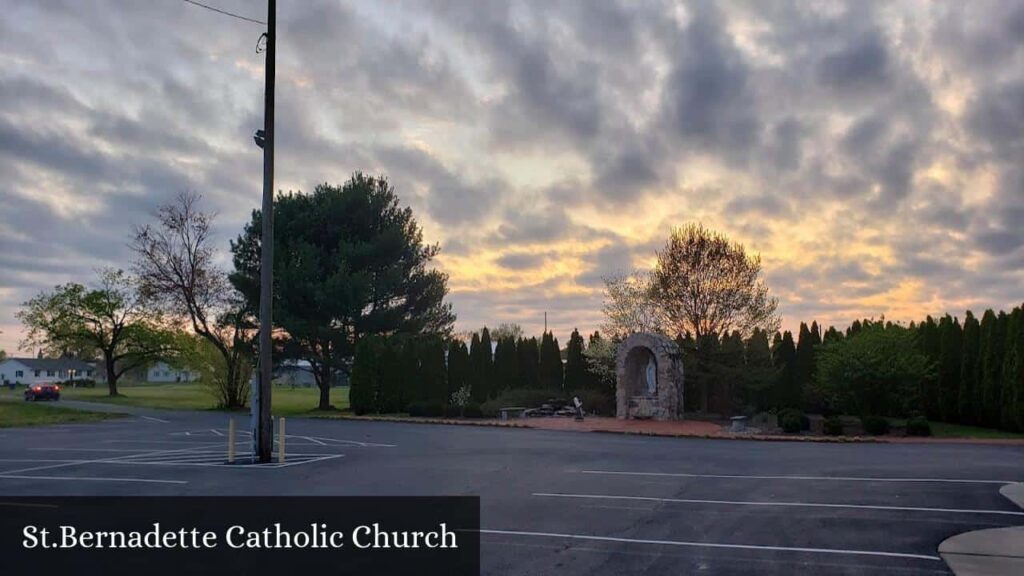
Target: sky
{"x":871,"y":153}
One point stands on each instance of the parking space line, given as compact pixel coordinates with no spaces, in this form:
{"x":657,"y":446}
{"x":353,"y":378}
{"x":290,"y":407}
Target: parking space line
{"x":711,"y":544}
{"x":91,"y":479}
{"x":834,"y":478}
{"x":152,"y":419}
{"x":791,"y":504}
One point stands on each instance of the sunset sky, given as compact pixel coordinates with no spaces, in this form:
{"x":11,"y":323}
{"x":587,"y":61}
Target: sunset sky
{"x":873,"y":154}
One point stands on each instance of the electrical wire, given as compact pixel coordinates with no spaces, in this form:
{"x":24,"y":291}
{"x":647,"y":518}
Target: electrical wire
{"x":226,"y":13}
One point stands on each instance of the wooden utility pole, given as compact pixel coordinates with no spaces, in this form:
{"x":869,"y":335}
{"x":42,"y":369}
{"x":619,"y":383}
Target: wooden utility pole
{"x":263,"y":433}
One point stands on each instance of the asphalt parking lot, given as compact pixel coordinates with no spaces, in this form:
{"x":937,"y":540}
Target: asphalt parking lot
{"x":571,"y":503}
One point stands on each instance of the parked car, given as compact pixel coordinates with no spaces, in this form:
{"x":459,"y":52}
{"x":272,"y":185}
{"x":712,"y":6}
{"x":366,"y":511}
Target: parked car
{"x":42,"y":392}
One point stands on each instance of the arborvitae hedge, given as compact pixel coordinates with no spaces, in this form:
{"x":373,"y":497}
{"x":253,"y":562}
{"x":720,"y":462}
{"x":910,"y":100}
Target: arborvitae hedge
{"x":551,"y":375}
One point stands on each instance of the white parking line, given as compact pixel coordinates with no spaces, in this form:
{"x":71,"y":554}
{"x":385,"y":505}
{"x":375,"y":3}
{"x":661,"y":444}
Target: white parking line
{"x":91,"y":479}
{"x":836,"y":478}
{"x":155,"y":419}
{"x":711,"y":545}
{"x":792,"y":504}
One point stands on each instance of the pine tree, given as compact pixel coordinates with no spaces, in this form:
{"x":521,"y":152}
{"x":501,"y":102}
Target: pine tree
{"x":784,"y":359}
{"x":550,"y":363}
{"x":832,"y":335}
{"x":950,"y":356}
{"x":389,"y":400}
{"x":506,"y":365}
{"x":529,"y":363}
{"x":434,"y":385}
{"x":990,"y":368}
{"x":967,"y":407}
{"x":458,"y":367}
{"x":363,"y":388}
{"x":1012,"y":406}
{"x":411,"y":376}
{"x":929,"y":343}
{"x":804,"y":371}
{"x":481,"y":367}
{"x":575,"y":363}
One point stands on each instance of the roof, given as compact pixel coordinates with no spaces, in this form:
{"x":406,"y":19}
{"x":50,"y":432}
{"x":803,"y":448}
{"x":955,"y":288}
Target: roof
{"x":54,"y":363}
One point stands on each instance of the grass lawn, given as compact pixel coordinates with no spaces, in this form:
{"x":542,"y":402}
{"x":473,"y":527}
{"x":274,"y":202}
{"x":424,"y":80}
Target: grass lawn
{"x":15,"y":412}
{"x":947,"y":430}
{"x":286,"y":401}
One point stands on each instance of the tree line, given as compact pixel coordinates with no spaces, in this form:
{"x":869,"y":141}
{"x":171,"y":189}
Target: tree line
{"x":392,"y":373}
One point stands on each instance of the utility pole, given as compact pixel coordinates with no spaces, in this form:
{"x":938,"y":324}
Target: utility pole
{"x":263,"y":433}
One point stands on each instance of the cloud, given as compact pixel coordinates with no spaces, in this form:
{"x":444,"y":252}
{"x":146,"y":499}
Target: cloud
{"x":869,"y":151}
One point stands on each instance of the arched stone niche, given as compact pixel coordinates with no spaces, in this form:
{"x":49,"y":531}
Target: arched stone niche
{"x":649,"y":378}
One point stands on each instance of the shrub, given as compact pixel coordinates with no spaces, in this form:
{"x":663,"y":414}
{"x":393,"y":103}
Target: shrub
{"x":918,"y":426}
{"x":472,"y":410}
{"x":427,"y":408}
{"x":875,"y":425}
{"x":803,"y":422}
{"x":790,"y":422}
{"x":833,"y":426}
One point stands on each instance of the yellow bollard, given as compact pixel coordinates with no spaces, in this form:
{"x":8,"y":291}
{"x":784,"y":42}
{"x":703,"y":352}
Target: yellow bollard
{"x":280,"y":442}
{"x":231,"y":440}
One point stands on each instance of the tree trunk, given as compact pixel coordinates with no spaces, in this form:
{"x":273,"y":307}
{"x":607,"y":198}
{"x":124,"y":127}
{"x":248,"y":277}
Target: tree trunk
{"x":325,"y":395}
{"x":108,"y":360}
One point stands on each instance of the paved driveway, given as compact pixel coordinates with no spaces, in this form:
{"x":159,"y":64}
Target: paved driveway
{"x":572,"y":503}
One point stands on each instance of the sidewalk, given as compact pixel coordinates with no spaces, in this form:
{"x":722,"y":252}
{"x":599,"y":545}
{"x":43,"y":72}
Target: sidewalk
{"x":992,"y":552}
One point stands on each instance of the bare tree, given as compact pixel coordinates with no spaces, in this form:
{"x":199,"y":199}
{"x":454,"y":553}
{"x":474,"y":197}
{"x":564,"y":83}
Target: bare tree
{"x":630,"y":305}
{"x":705,"y":284}
{"x":176,"y":266}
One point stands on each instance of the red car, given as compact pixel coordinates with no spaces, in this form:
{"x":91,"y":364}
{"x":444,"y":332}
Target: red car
{"x":42,"y":392}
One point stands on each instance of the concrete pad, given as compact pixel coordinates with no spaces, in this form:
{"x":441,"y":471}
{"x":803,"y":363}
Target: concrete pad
{"x":967,"y":565}
{"x":1015,"y":492}
{"x":993,"y":552}
{"x":1006,"y":542}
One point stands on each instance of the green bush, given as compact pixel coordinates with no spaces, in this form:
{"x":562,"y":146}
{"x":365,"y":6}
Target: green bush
{"x":875,"y":425}
{"x":472,"y":410}
{"x":790,"y":422}
{"x":803,"y":422}
{"x":918,"y":426}
{"x":833,"y":426}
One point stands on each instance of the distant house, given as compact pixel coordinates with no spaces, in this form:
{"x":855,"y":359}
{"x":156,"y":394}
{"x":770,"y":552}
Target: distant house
{"x":163,"y":372}
{"x":297,"y":373}
{"x":43,"y":370}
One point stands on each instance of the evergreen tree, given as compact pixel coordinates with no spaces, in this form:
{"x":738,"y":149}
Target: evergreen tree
{"x":784,"y":359}
{"x":1012,"y":404}
{"x":968,"y":397}
{"x":434,"y":379}
{"x":761,"y":376}
{"x":950,"y":356}
{"x":993,"y":340}
{"x":389,"y":399}
{"x":804,"y":371}
{"x":550,"y":363}
{"x":481,"y":367}
{"x":832,"y":335}
{"x":529,"y":363}
{"x":853,"y":329}
{"x":732,"y":372}
{"x":929,"y":344}
{"x":705,"y":375}
{"x":410,"y":368}
{"x":365,"y":383}
{"x":506,"y":364}
{"x":575,"y":364}
{"x":458,"y":367}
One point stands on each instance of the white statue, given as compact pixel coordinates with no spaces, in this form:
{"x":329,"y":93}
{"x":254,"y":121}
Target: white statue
{"x":652,"y":377}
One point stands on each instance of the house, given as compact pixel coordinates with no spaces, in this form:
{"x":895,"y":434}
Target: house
{"x":44,"y":370}
{"x":163,"y":372}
